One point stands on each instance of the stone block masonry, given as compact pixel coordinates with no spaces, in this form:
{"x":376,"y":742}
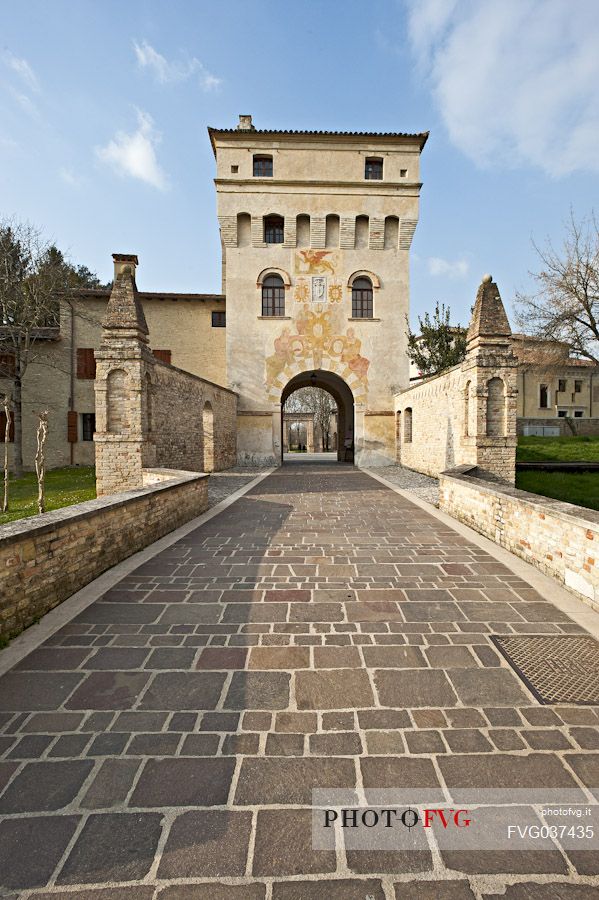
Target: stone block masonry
{"x":46,"y":559}
{"x":560,"y":539}
{"x":467,"y":414}
{"x":149,"y":413}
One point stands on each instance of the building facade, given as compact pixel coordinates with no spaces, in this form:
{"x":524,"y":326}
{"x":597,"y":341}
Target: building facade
{"x":316,"y":230}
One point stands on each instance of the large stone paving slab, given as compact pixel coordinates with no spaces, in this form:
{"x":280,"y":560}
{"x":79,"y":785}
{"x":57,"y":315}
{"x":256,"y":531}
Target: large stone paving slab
{"x":322,"y":642}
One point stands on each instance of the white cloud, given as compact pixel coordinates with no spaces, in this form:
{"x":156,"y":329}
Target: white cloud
{"x":134,"y":154}
{"x":438,"y":266}
{"x":171,"y":72}
{"x":22,"y":68}
{"x":26,"y":103}
{"x":71,"y":178}
{"x":516,"y":80}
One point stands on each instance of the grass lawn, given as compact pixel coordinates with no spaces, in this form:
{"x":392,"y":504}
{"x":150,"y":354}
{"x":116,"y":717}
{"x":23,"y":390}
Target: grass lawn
{"x":558,"y":449}
{"x":63,"y":488}
{"x":581,"y":488}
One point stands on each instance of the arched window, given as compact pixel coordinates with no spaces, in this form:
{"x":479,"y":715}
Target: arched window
{"x":332,"y":231}
{"x":361,"y":299}
{"x":303,"y":231}
{"x":496,"y":407}
{"x":391,"y":232}
{"x":262,"y":166}
{"x":407,"y":425}
{"x":373,"y":170}
{"x":274,"y":229}
{"x":273,"y":296}
{"x":117,"y":396}
{"x":398,"y":436}
{"x":362,"y":232}
{"x":208,"y":437}
{"x":244,"y":230}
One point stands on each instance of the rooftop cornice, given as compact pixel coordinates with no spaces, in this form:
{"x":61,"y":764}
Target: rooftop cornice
{"x":386,"y":137}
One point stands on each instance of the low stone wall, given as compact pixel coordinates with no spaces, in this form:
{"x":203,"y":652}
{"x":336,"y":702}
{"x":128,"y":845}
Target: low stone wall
{"x":45,"y":559}
{"x":567,"y":427}
{"x":560,"y":539}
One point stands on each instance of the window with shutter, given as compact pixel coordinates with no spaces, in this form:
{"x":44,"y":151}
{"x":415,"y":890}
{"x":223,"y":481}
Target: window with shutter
{"x":86,"y":363}
{"x":72,"y":426}
{"x":7,"y":365}
{"x":163,"y":355}
{"x":11,"y":433}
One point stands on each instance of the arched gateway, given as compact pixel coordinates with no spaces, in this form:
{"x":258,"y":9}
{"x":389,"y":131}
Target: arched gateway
{"x":315,"y":269}
{"x":343,"y":397}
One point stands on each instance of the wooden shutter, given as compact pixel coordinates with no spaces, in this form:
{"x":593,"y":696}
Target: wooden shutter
{"x":11,"y":433}
{"x":7,"y":365}
{"x":163,"y":355}
{"x":72,"y":426}
{"x":86,"y":362}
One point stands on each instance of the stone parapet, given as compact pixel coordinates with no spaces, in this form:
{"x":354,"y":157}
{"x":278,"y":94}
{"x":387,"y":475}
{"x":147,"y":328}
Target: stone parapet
{"x":45,"y":559}
{"x":560,"y":539}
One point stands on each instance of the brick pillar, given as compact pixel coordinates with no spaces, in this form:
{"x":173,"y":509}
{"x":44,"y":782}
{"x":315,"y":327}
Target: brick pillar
{"x":489,"y":380}
{"x":124,"y":377}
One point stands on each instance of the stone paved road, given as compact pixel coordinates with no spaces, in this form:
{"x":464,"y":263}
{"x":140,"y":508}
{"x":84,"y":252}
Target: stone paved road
{"x":322,"y":632}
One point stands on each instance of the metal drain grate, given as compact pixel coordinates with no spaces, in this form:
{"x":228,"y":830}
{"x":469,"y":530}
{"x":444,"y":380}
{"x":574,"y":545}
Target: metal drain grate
{"x":557,"y":669}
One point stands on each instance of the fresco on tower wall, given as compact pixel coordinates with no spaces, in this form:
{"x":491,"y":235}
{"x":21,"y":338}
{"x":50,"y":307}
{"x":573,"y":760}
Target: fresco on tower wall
{"x":313,"y":338}
{"x":316,"y":334}
{"x":316,"y":262}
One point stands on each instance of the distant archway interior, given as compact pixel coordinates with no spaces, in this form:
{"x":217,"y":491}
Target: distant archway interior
{"x":343,"y":397}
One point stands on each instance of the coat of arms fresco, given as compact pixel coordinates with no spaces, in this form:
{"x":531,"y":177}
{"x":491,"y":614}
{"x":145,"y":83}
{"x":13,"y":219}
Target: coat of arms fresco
{"x":313,"y":339}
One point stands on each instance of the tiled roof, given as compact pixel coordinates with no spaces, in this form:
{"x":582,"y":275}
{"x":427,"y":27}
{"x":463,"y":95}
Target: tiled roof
{"x":421,"y":136}
{"x":148,"y":295}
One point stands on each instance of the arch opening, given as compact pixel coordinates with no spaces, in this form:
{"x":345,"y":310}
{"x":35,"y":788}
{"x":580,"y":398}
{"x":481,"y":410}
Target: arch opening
{"x":208,"y":437}
{"x":339,"y":442}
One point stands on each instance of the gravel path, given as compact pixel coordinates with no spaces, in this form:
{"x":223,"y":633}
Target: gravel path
{"x":222,"y":484}
{"x":422,"y":485}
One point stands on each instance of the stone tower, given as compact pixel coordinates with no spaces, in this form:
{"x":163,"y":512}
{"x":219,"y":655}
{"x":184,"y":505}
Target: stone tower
{"x":316,"y":229}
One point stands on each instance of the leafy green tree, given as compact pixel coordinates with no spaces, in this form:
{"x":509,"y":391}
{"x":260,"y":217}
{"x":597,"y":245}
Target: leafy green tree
{"x":438,"y":345}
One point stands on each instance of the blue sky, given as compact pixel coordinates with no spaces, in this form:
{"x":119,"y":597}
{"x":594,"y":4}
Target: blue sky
{"x":104,"y":107}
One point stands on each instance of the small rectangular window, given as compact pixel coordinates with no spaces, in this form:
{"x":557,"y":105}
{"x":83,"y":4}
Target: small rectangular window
{"x":561,"y":413}
{"x":86,"y":363}
{"x":163,"y":355}
{"x":234,"y":170}
{"x":543,"y":397}
{"x":88,"y":426}
{"x":577,"y":387}
{"x":562,"y":386}
{"x":578,"y":414}
{"x":219,"y":319}
{"x":263,"y":166}
{"x":374,"y":169}
{"x":403,"y":173}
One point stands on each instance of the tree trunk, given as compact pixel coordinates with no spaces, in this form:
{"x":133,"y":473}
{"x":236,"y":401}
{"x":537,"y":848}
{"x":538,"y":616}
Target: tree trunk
{"x":40,"y":461}
{"x":7,"y":413}
{"x":18,"y":420}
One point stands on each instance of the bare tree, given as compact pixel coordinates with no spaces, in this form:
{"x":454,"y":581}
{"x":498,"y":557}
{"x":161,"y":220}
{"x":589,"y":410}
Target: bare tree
{"x":319,"y":402}
{"x":34,"y":277}
{"x":40,"y":460}
{"x":565,"y":306}
{"x":8,"y":421}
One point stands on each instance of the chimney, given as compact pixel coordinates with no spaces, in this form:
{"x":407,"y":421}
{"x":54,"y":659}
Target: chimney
{"x":245,"y":124}
{"x":124,"y":262}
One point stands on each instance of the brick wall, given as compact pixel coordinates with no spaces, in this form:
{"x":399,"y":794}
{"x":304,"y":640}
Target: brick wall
{"x":560,"y":539}
{"x":45,"y":559}
{"x":181,"y":426}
